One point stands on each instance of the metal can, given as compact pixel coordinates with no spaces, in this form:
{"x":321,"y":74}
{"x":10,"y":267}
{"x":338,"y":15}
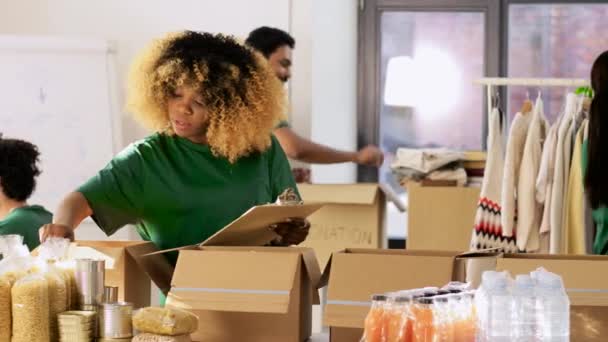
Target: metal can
{"x":111,"y":294}
{"x":115,"y":320}
{"x":90,"y":277}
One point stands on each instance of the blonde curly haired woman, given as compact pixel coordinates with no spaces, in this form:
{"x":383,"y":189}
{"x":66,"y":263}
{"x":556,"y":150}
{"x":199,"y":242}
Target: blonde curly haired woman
{"x":213,"y":104}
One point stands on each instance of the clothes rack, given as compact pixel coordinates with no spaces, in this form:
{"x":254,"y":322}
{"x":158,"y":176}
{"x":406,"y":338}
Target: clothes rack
{"x":491,"y":82}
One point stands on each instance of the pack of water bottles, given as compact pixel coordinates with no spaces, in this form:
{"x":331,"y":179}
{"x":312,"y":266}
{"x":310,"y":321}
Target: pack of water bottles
{"x":531,"y":307}
{"x":426,"y":314}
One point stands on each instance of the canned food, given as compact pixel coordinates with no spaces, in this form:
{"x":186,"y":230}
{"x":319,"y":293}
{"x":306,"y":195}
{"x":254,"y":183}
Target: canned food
{"x":90,"y":277}
{"x":115,"y":320}
{"x":111,"y":294}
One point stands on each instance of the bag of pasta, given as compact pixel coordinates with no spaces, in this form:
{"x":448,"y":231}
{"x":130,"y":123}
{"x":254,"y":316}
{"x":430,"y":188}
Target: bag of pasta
{"x":5,"y":309}
{"x":165,"y":321}
{"x":58,"y":298}
{"x":145,"y":337}
{"x":30,"y":308}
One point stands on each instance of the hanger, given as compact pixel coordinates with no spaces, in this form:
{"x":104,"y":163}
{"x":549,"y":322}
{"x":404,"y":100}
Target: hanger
{"x":527,"y":105}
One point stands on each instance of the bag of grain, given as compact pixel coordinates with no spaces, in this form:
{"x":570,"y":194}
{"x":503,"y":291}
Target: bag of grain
{"x":30,"y":308}
{"x":5,"y":309}
{"x":165,"y":321}
{"x":145,"y":337}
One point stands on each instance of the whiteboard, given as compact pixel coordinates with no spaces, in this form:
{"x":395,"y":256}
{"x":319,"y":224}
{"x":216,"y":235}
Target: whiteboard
{"x":59,"y":93}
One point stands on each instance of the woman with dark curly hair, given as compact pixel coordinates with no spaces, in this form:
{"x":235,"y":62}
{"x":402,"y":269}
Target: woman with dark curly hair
{"x":213,"y":104}
{"x":18,"y":172}
{"x":595,"y":154}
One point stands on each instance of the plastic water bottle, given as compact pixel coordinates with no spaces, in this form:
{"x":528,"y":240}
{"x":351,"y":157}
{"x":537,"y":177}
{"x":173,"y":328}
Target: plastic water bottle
{"x":499,"y":319}
{"x":553,"y":308}
{"x":523,"y":315}
{"x":483,"y":304}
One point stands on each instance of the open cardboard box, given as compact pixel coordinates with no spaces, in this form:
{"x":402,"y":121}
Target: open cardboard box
{"x":586,"y":285}
{"x":354,"y":275}
{"x":242,"y":292}
{"x":352,"y":217}
{"x":122,"y":266}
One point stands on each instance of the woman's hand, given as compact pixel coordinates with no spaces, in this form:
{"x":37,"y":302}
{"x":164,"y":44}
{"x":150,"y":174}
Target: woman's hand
{"x":55,"y":230}
{"x":291,"y":232}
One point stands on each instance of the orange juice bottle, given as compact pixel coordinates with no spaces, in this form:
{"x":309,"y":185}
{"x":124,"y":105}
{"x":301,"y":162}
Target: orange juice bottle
{"x":423,"y":328}
{"x":397,"y":317}
{"x":441,"y":319}
{"x":374,"y":329}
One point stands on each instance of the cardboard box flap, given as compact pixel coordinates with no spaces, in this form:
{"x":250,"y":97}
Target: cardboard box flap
{"x":363,"y":194}
{"x":154,"y":264}
{"x":252,"y":228}
{"x":219,"y":280}
{"x":347,"y":305}
{"x":584,"y":283}
{"x":313,"y":272}
{"x":98,"y":251}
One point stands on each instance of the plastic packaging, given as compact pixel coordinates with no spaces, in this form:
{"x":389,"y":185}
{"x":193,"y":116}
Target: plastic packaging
{"x":553,"y":316}
{"x":499,"y":300}
{"x":374,"y":329}
{"x":8,"y":243}
{"x":523,"y":315}
{"x":165,"y":321}
{"x":423,"y":319}
{"x":5,"y":309}
{"x":30,"y":308}
{"x":442,"y":320}
{"x":161,"y":338}
{"x":396,"y":315}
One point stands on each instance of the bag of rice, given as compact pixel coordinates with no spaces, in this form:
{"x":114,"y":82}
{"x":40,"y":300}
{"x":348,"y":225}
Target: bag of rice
{"x":165,"y":321}
{"x":30,"y":308}
{"x":5,"y":309}
{"x":145,"y":337}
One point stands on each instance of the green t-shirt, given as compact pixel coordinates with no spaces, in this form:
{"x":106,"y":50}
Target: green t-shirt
{"x":600,"y":216}
{"x":26,"y":221}
{"x":178,"y":193}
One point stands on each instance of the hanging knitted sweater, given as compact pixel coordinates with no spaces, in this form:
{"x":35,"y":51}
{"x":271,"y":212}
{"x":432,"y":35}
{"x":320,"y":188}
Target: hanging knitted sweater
{"x":487,"y":232}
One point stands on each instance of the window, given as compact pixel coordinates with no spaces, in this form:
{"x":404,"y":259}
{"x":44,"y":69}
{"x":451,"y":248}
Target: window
{"x":553,"y":40}
{"x":428,"y":98}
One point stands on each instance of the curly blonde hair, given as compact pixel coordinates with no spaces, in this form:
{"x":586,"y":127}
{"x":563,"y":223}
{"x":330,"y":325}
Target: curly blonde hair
{"x":243,"y":96}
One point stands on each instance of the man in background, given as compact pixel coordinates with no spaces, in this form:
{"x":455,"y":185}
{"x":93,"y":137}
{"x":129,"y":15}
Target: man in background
{"x":277,"y":46}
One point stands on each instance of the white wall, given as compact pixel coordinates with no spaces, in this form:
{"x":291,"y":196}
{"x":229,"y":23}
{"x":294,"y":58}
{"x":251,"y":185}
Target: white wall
{"x":334,"y":82}
{"x":300,"y":86}
{"x":131,"y":24}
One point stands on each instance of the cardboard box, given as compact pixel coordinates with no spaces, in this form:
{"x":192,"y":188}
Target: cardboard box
{"x":586,"y":285}
{"x":245,"y":293}
{"x":352,"y":217}
{"x":122,"y":268}
{"x":354,"y":275}
{"x":441,"y":218}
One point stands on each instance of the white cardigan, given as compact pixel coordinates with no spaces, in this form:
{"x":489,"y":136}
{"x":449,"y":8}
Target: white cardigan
{"x":528,"y":210}
{"x":513,"y":157}
{"x":559,"y":180}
